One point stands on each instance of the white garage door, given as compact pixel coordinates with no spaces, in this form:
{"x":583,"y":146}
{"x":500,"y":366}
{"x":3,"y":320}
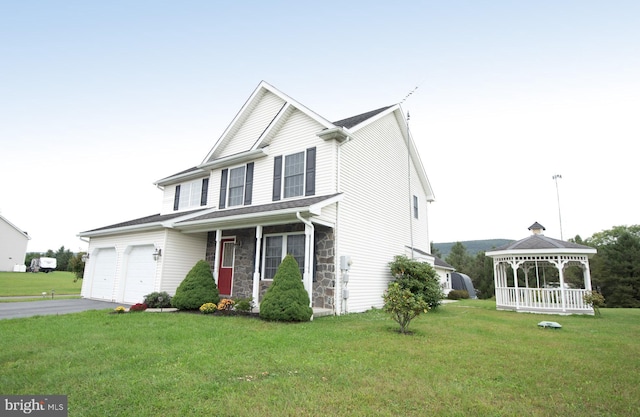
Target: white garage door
{"x":104,"y":274}
{"x":140,"y":273}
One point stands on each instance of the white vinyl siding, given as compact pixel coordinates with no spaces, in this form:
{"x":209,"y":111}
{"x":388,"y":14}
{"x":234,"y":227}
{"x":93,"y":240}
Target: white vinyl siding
{"x":298,"y":133}
{"x":249,"y":131}
{"x":378,"y":211}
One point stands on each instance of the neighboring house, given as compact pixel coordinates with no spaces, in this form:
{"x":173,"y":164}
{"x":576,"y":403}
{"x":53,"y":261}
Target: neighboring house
{"x":342,"y":197}
{"x":13,"y":246}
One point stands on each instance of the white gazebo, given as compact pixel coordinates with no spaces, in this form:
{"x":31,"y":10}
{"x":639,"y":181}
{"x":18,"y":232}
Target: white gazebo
{"x":533,"y":254}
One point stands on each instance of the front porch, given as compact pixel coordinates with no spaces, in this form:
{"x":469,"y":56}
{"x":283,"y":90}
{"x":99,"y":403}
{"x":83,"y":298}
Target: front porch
{"x":543,"y":300}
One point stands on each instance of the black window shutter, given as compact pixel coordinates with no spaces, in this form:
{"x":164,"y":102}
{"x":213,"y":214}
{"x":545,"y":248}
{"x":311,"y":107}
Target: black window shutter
{"x":205,"y":191}
{"x":277,"y":177}
{"x":248,"y":184}
{"x":176,"y":198}
{"x":310,"y":178}
{"x":223,"y":189}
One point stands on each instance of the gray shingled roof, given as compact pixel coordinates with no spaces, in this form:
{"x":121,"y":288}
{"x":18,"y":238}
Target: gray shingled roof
{"x":264,"y":208}
{"x":356,"y":120}
{"x":154,"y":218}
{"x":540,"y":242}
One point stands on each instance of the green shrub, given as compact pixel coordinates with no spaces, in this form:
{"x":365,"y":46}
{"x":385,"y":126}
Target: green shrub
{"x":153,"y":300}
{"x":418,"y":277}
{"x":286,"y":299}
{"x":458,"y":294}
{"x":196,"y":289}
{"x":244,"y":305}
{"x":403,"y":305}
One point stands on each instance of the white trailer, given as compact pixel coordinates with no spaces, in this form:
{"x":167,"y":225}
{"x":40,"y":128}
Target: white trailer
{"x":43,"y":264}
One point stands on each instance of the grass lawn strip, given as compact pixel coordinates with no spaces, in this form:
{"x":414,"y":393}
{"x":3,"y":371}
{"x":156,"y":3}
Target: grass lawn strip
{"x":465,"y":359}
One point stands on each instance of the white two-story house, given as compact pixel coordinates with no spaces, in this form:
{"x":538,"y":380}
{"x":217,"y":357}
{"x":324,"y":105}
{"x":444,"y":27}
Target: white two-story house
{"x":342,"y":197}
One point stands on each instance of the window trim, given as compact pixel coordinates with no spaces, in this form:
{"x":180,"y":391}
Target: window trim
{"x":416,"y":211}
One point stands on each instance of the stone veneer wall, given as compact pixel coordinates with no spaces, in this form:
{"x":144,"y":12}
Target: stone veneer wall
{"x":244,"y":263}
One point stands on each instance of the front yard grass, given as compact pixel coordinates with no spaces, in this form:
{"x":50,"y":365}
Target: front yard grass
{"x":27,"y":283}
{"x":465,"y":359}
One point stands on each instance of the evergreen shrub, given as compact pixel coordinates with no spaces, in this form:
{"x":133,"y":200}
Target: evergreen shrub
{"x":196,"y":289}
{"x":153,"y":300}
{"x":458,"y":294}
{"x":286,"y":299}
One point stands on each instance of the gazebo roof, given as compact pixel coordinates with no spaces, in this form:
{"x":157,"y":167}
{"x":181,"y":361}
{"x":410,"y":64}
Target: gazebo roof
{"x":539,"y":243}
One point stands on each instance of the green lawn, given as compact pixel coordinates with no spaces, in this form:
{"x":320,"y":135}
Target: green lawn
{"x":27,"y":283}
{"x":465,"y":359}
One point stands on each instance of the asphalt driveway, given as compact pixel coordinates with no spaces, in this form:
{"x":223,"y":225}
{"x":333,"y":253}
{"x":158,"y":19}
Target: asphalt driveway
{"x":49,"y":307}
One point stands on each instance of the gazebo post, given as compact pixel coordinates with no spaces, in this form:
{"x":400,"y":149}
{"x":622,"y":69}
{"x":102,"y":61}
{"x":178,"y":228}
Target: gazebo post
{"x":563,"y":292}
{"x":514,"y":266}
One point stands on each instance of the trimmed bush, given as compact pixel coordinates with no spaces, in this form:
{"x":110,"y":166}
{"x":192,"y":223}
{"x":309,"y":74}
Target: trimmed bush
{"x":286,"y":299}
{"x":196,"y":289}
{"x":458,"y":294}
{"x":152,"y":300}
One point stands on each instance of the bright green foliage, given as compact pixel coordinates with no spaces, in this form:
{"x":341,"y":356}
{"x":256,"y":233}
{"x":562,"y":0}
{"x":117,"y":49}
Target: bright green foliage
{"x":418,"y":277}
{"x":403,"y":305}
{"x":286,"y":299}
{"x":196,"y":289}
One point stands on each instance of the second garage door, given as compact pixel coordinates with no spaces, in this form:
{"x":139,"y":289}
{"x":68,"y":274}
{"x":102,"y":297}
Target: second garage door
{"x":140,"y":273}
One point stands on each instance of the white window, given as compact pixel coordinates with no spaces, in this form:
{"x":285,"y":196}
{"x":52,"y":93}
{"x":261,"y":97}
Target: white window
{"x":276,"y":247}
{"x":236,"y":186}
{"x":294,"y":175}
{"x":415,"y":206}
{"x":190,"y":194}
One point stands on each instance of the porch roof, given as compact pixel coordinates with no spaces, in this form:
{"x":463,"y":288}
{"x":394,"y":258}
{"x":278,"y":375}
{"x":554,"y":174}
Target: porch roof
{"x":281,"y":210}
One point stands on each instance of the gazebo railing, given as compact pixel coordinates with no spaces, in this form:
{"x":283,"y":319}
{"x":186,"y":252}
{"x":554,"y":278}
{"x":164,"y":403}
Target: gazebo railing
{"x":542,"y":299}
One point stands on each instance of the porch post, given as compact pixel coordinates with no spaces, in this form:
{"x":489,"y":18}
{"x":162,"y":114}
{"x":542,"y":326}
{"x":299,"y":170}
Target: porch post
{"x":256,"y":270}
{"x":216,"y":262}
{"x":308,"y":261}
{"x":495,"y":281}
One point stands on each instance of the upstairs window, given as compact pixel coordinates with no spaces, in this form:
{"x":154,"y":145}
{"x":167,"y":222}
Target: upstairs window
{"x":415,"y":206}
{"x":236,"y":186}
{"x":191,"y":194}
{"x":294,"y":175}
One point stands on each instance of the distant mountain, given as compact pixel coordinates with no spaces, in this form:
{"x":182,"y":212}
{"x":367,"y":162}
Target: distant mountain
{"x":472,"y":246}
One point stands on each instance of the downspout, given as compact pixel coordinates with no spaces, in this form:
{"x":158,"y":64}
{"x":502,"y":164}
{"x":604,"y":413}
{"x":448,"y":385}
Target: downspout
{"x":309,"y":232}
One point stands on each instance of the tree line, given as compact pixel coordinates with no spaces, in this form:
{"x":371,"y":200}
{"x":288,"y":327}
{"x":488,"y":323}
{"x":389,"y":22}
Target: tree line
{"x":615,"y":268}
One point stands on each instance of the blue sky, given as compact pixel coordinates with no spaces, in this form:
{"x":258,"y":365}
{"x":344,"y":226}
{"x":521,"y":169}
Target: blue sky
{"x":100,"y":99}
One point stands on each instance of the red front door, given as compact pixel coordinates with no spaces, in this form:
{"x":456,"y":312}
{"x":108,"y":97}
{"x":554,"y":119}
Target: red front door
{"x":225,"y":269}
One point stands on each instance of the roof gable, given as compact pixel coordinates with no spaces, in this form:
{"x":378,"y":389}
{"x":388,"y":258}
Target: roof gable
{"x":265,"y":110}
{"x":22,"y":232}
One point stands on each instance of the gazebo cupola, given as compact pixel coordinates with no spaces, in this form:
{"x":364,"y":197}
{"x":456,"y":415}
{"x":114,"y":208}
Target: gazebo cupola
{"x":532,"y":254}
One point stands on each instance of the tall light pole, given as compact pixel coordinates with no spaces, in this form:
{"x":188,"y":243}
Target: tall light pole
{"x":555,"y":178}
